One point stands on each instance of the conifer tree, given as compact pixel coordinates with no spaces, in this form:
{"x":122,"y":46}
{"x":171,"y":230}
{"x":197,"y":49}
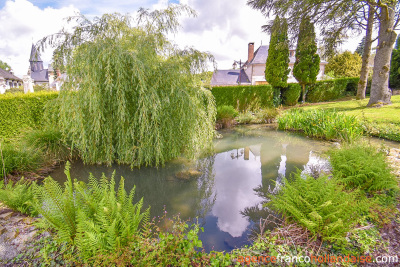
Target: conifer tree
{"x":360,"y":47}
{"x":394,"y":78}
{"x":306,"y":67}
{"x":277,"y":65}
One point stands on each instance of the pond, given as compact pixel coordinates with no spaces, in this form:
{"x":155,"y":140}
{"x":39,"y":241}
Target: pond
{"x":225,"y":191}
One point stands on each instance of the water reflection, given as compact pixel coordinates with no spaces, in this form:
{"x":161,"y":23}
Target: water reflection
{"x":225,"y":191}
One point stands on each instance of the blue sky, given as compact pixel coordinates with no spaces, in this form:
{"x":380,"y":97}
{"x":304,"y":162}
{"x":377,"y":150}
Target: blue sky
{"x":222,"y":27}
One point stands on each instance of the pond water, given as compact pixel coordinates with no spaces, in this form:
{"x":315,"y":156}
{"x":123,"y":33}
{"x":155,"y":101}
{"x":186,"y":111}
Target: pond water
{"x":225,"y":191}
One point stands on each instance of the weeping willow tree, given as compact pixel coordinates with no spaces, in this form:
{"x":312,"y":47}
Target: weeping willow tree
{"x":131,"y":95}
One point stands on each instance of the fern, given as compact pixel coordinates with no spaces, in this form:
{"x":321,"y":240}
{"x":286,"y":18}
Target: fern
{"x":319,"y":205}
{"x":18,"y":196}
{"x":362,"y":166}
{"x":93,"y":217}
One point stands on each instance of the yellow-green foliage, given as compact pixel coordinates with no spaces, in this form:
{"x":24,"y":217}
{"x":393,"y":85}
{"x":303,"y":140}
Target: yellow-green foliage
{"x":94,"y":217}
{"x":362,"y":166}
{"x":18,"y":196}
{"x":328,"y":90}
{"x":320,"y":205}
{"x":291,"y":94}
{"x":21,"y":111}
{"x":244,"y":98}
{"x":345,"y":64}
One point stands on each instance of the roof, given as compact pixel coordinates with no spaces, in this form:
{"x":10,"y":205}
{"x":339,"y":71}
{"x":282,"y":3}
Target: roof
{"x":40,"y":76}
{"x":229,"y":77}
{"x":9,"y":76}
{"x":35,"y":55}
{"x":260,"y":55}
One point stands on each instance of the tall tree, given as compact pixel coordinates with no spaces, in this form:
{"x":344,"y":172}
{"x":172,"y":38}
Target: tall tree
{"x":361,"y":46}
{"x":394,"y":79}
{"x":139,"y":101}
{"x":366,"y":53}
{"x":337,"y":18}
{"x":306,"y":67}
{"x":4,"y":65}
{"x":277,"y":65}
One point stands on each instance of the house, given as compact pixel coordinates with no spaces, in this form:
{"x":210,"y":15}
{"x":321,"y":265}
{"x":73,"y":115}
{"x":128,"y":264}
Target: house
{"x":38,"y":73}
{"x":253,"y":70}
{"x":8,"y":80}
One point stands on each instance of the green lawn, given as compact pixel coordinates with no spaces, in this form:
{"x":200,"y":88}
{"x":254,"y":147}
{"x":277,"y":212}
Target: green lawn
{"x":385,"y":114}
{"x":381,"y":122}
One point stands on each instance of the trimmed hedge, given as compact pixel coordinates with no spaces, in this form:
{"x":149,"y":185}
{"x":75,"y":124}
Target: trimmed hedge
{"x":21,"y":111}
{"x":330,"y":89}
{"x":291,"y":94}
{"x":244,"y":97}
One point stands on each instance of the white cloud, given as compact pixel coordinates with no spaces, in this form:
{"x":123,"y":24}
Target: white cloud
{"x":23,"y":23}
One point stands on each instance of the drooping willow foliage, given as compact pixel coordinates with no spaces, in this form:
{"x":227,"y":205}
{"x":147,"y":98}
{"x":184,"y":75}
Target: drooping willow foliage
{"x":131,"y":95}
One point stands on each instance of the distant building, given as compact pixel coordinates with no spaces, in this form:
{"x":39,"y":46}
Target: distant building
{"x":8,"y":80}
{"x":253,"y":70}
{"x":38,"y":73}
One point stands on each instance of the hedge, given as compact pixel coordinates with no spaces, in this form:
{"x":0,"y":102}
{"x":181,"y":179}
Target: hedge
{"x":244,"y":97}
{"x":330,"y":89}
{"x":21,"y":111}
{"x":291,"y":94}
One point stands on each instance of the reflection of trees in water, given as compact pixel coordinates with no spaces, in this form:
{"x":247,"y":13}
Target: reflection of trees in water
{"x":206,"y":194}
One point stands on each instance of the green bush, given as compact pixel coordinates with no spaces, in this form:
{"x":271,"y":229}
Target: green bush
{"x":245,"y":118}
{"x":21,"y":111}
{"x":18,"y":196}
{"x":244,"y":98}
{"x":319,"y":205}
{"x":94,"y":217}
{"x":325,"y":124}
{"x":17,"y":157}
{"x":226,"y":112}
{"x":266,"y":115}
{"x":291,"y":94}
{"x":362,"y":166}
{"x":327,"y":90}
{"x":352,"y":86}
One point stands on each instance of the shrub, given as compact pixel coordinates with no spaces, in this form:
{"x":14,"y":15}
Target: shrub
{"x":226,"y":112}
{"x":93,"y":217}
{"x":352,"y":86}
{"x":21,"y":111}
{"x":291,"y":94}
{"x":244,"y":98}
{"x":362,"y":166}
{"x":266,"y":115}
{"x":326,"y":124}
{"x":319,"y":205}
{"x":245,"y":117}
{"x":18,"y":196}
{"x":15,"y":156}
{"x":327,"y":90}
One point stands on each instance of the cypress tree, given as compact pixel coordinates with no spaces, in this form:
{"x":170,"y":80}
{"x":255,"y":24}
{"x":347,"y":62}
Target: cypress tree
{"x":394,"y":78}
{"x":306,"y":67}
{"x":277,"y":65}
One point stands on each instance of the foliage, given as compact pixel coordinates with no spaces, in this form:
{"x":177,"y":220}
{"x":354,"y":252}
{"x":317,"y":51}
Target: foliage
{"x":4,"y":65}
{"x":18,"y":196}
{"x":345,"y":64}
{"x":390,"y":131}
{"x":146,"y":104}
{"x":320,"y":205}
{"x":244,"y":98}
{"x":245,"y":118}
{"x":306,"y":66}
{"x":277,"y":65}
{"x":94,"y":217}
{"x":319,"y":123}
{"x":394,"y":78}
{"x":22,"y":111}
{"x":327,"y":90}
{"x":360,"y":47}
{"x":362,"y":166}
{"x":17,"y":157}
{"x":48,"y":142}
{"x":291,"y":94}
{"x":260,"y":116}
{"x":226,"y":115}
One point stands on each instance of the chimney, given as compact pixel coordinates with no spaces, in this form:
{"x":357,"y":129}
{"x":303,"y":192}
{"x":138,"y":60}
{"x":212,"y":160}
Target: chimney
{"x":250,"y":52}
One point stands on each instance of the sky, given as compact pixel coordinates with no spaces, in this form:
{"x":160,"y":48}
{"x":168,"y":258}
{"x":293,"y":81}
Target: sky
{"x":222,"y":27}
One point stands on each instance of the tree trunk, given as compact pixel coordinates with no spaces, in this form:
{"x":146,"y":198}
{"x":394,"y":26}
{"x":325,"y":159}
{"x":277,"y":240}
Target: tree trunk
{"x":362,"y":84}
{"x":380,"y":93}
{"x":304,"y":93}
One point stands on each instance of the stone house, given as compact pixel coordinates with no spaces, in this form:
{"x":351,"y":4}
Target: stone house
{"x":8,"y":80}
{"x":252,"y":72}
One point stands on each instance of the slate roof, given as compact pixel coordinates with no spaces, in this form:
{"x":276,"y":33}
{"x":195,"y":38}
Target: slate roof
{"x":40,"y":76}
{"x":229,"y":77}
{"x":9,"y":76}
{"x":35,"y":56}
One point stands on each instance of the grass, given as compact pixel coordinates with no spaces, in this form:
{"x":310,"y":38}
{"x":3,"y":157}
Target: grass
{"x":381,"y":122}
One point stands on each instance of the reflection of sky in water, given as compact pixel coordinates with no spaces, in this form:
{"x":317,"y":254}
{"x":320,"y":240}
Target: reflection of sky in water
{"x":234,"y":184}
